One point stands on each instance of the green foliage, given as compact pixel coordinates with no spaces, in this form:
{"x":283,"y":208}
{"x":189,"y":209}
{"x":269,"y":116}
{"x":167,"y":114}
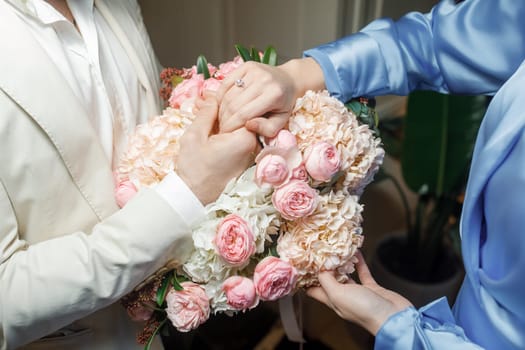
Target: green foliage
{"x":163,"y":290}
{"x":269,"y":56}
{"x":440,"y":132}
{"x":150,"y":341}
{"x":202,"y":67}
{"x":434,"y":141}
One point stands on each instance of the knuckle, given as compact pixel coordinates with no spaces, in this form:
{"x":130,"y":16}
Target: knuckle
{"x":250,"y":65}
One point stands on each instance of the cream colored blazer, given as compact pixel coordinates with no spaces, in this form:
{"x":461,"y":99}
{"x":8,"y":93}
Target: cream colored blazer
{"x":67,"y":254}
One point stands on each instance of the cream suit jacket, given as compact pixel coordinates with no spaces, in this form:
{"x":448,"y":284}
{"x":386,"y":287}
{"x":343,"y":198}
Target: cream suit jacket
{"x":67,"y":254}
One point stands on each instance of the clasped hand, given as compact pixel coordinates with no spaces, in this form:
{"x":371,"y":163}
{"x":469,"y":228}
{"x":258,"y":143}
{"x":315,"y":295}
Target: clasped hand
{"x":208,"y":160}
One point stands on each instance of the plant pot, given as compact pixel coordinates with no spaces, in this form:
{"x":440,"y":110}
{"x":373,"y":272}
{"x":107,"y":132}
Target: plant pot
{"x":419,"y":293}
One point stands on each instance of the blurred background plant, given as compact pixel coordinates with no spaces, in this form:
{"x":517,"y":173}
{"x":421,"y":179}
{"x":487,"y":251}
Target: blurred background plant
{"x":434,"y":142}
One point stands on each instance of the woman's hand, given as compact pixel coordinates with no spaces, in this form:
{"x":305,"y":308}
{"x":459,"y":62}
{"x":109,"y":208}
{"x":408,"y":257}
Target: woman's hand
{"x":261,"y":97}
{"x":367,"y":304}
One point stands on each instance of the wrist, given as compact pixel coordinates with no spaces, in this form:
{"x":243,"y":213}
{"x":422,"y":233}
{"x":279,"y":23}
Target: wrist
{"x":306,"y":74}
{"x":379,"y":318}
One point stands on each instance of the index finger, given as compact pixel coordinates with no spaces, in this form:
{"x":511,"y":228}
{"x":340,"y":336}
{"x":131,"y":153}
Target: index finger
{"x":229,"y":82}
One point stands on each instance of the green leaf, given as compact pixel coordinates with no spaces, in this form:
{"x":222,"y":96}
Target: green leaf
{"x":273,"y":251}
{"x":176,"y":284}
{"x":440,"y":131}
{"x":150,"y":341}
{"x":243,"y":52}
{"x":270,"y":56}
{"x":255,"y":55}
{"x":202,"y":67}
{"x":163,"y":290}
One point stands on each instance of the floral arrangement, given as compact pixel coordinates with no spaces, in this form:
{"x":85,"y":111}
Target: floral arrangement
{"x":294,"y":213}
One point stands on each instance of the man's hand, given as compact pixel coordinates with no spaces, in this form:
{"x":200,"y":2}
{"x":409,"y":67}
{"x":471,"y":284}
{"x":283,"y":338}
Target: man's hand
{"x":207,"y":161}
{"x":367,"y":304}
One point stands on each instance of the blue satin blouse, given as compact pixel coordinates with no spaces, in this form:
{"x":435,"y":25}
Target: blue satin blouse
{"x":474,"y":47}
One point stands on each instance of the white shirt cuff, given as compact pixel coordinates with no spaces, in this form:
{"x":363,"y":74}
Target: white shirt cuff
{"x":179,"y":196}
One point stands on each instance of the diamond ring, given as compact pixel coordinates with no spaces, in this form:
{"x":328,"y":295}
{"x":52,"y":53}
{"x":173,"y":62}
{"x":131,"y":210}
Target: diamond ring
{"x":239,"y":83}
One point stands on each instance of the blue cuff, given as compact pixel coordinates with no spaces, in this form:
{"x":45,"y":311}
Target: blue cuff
{"x":432,"y":326}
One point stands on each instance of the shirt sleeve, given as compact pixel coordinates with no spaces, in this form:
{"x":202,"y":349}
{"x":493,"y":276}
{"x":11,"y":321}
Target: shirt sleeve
{"x":431,"y":327}
{"x":178,"y":195}
{"x":47,"y":285}
{"x":455,"y":48}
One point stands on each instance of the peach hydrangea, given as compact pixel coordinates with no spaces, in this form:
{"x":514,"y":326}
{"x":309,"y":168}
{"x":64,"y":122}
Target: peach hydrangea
{"x":324,"y":241}
{"x":153,"y":148}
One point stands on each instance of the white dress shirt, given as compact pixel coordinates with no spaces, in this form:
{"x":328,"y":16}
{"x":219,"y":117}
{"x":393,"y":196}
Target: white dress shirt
{"x":100,"y":73}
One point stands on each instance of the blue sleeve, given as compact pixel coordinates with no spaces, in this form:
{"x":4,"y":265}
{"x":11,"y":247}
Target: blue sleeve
{"x":472,"y":47}
{"x":431,"y":327}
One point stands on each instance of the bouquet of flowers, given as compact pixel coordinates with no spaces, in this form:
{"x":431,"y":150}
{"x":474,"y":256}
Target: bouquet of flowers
{"x":294,"y":213}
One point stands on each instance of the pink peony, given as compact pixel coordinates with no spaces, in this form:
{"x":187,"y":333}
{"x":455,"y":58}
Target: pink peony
{"x":188,"y":89}
{"x":300,"y":173}
{"x":234,"y":240}
{"x":240,"y":293}
{"x":322,"y":161}
{"x":189,"y":308}
{"x":211,"y":84}
{"x":275,"y":165}
{"x":124,"y":191}
{"x":274,"y":278}
{"x":272,"y":170}
{"x":295,"y":200}
{"x":284,"y":139}
{"x":226,"y":68}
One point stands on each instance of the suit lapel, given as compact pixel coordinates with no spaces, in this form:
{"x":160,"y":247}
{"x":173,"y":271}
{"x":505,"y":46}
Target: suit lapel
{"x":61,"y":117}
{"x":123,"y":29}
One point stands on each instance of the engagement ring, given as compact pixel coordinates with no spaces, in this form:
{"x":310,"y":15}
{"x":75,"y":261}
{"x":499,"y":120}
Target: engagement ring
{"x":239,"y":83}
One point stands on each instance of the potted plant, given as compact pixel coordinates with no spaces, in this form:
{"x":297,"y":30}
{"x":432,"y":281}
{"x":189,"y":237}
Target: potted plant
{"x":437,"y":137}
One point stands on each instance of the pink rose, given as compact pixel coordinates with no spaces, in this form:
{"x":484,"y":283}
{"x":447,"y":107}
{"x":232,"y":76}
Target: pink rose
{"x":271,"y":170}
{"x":295,"y":200}
{"x":240,"y":292}
{"x":189,"y":308}
{"x":300,"y":173}
{"x":211,"y":68}
{"x":142,"y":312}
{"x":227,"y":67}
{"x":188,"y":89}
{"x":322,"y":161}
{"x":211,"y":84}
{"x":274,"y":278}
{"x":124,"y":191}
{"x":274,"y":165}
{"x":284,"y":139}
{"x":234,"y":240}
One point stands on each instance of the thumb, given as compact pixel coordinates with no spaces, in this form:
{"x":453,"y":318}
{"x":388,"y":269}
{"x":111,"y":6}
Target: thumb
{"x":327,"y":281}
{"x":205,"y":115}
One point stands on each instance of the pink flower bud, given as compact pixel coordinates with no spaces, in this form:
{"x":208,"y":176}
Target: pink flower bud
{"x":274,"y":278}
{"x":284,"y":139}
{"x":240,"y":293}
{"x":295,"y":200}
{"x":234,"y":240}
{"x":124,"y":192}
{"x":322,"y":161}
